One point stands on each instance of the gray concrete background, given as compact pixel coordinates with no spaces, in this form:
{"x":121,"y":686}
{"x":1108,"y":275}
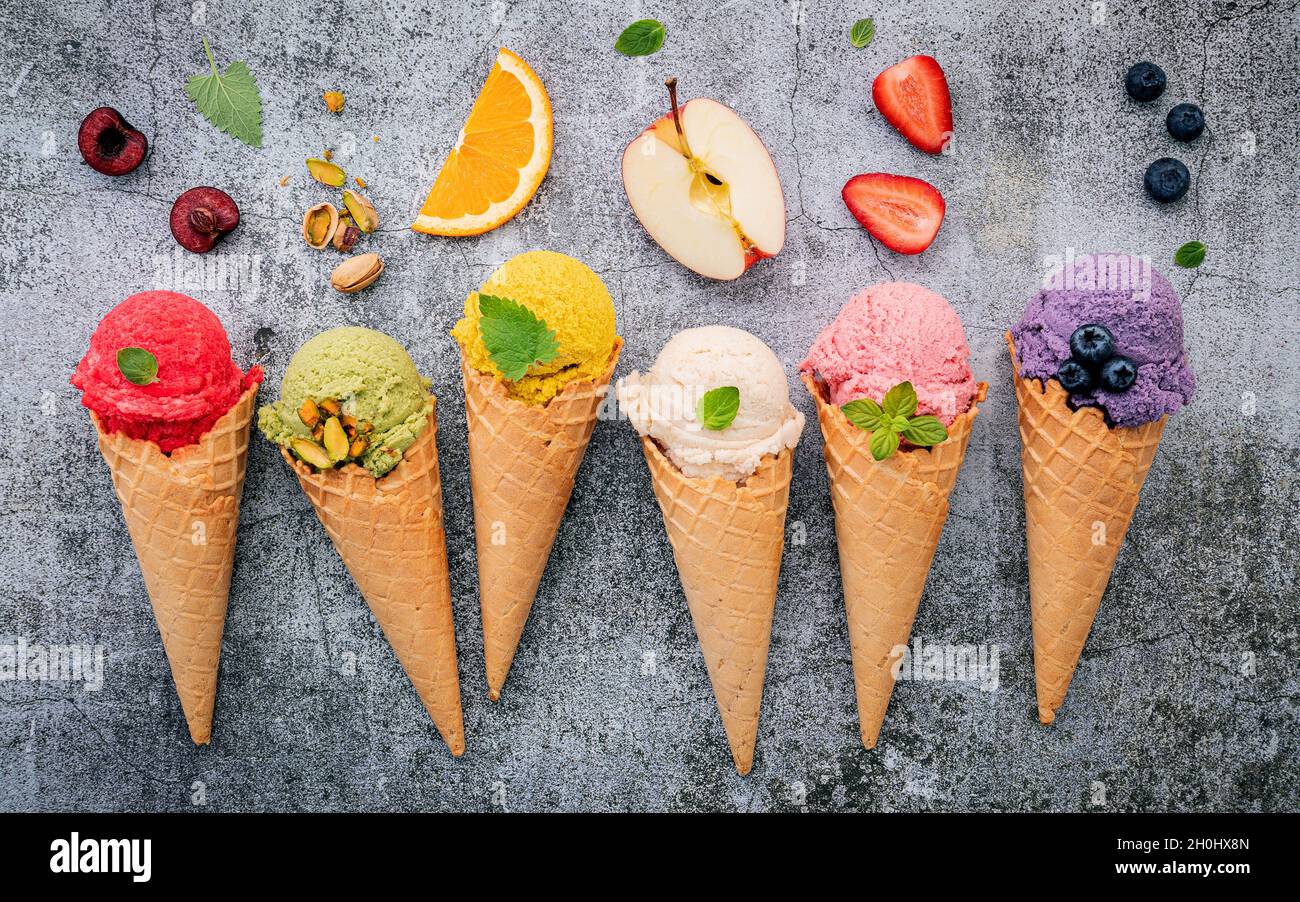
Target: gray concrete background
{"x":1186,"y":698}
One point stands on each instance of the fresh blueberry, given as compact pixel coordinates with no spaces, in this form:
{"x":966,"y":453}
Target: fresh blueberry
{"x":1185,"y":121}
{"x":1074,"y":377}
{"x":1145,"y":81}
{"x":1167,"y":180}
{"x":1118,"y":374}
{"x":1092,"y":345}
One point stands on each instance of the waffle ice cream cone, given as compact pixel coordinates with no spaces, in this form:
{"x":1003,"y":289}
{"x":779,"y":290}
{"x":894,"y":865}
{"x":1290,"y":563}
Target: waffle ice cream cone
{"x":888,"y":518}
{"x":1082,"y":479}
{"x":727,"y":541}
{"x":389,"y":532}
{"x":182,"y":511}
{"x":523,"y":463}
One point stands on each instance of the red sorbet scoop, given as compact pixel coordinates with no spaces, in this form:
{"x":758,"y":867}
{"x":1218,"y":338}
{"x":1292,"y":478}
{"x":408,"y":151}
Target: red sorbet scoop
{"x":197,"y":381}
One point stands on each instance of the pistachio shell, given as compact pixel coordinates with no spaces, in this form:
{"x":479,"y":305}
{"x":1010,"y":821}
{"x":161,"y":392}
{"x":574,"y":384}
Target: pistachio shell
{"x":356,"y":273}
{"x":327,"y":173}
{"x":319,"y":225}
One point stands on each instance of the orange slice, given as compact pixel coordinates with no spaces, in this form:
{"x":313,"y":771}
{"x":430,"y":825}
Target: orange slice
{"x":500,"y":158}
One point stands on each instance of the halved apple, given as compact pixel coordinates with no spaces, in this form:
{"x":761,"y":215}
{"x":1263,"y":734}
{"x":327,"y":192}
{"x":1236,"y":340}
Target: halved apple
{"x":705,"y":188}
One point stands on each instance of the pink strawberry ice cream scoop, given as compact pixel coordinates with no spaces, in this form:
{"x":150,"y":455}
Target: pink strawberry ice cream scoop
{"x":896,"y":332}
{"x":197,"y":381}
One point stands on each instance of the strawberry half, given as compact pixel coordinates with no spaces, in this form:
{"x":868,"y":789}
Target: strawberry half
{"x":913,"y":96}
{"x":901,"y":212}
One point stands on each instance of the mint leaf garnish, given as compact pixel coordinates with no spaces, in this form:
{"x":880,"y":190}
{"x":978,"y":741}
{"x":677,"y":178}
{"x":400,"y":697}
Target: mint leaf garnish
{"x":862,"y":32}
{"x":642,"y":38}
{"x":892,"y":420}
{"x":718,"y":407}
{"x":863,"y":413}
{"x":884,"y":442}
{"x":137,"y":366}
{"x":1190,"y":255}
{"x":515,"y":339}
{"x":900,"y":401}
{"x":231,"y":101}
{"x":925,"y":431}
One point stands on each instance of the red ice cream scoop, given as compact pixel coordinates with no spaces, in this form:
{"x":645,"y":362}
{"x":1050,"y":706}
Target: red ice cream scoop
{"x":197,"y":381}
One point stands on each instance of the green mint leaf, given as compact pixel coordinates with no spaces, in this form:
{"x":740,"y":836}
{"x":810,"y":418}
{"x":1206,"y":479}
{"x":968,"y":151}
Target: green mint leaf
{"x":231,"y":101}
{"x":137,"y":365}
{"x":884,"y":442}
{"x":863,"y":413}
{"x":515,"y":339}
{"x":1190,"y":255}
{"x":642,"y":38}
{"x":862,"y":32}
{"x":925,"y":431}
{"x":900,"y":401}
{"x":718,"y":407}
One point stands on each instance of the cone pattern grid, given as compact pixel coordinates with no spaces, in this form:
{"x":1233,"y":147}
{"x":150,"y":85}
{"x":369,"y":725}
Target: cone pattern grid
{"x":182,"y":511}
{"x":889,"y":515}
{"x":523,"y":463}
{"x":1082,"y":479}
{"x":389,"y":532}
{"x":727,"y":541}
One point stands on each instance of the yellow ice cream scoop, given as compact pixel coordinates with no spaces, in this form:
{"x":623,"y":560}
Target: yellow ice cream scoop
{"x":567,"y":298}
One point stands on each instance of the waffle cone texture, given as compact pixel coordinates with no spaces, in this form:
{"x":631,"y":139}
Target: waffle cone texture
{"x":523,"y":462}
{"x":727,"y":541}
{"x":182,"y":511}
{"x":389,"y":532}
{"x":1082,"y":479}
{"x":889,"y":515}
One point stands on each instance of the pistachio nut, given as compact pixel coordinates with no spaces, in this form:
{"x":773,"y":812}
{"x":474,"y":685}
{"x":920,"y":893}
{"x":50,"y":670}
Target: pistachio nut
{"x":335,"y":440}
{"x":327,"y":173}
{"x":363,"y":213}
{"x":356,"y":273}
{"x":346,"y":235}
{"x":309,"y":413}
{"x":311,"y":452}
{"x":319,"y":225}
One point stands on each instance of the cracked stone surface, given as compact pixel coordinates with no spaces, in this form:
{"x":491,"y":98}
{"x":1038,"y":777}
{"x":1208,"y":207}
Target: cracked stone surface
{"x":1186,"y":697}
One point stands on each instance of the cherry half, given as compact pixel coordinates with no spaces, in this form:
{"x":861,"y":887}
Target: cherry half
{"x":109,"y":144}
{"x":201,"y":217}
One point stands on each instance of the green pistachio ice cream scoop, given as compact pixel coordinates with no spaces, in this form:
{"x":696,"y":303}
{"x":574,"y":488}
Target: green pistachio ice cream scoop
{"x":349,"y":395}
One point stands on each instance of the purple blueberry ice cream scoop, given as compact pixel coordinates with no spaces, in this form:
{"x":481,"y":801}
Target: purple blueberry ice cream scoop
{"x":1142,"y":312}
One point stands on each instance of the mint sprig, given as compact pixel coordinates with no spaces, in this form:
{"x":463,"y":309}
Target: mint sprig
{"x":718,"y":407}
{"x":891,"y":420}
{"x":642,"y":38}
{"x":514,"y":337}
{"x":231,"y":101}
{"x":137,"y":366}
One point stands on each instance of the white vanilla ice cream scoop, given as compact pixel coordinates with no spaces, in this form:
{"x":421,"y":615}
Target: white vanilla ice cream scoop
{"x":664,"y":403}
